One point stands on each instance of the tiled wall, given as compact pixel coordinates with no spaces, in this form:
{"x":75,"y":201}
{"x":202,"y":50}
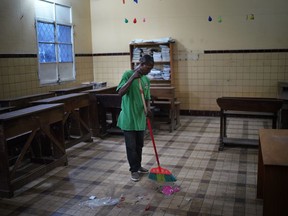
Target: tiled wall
{"x":109,"y":68}
{"x":18,"y":76}
{"x":200,"y":82}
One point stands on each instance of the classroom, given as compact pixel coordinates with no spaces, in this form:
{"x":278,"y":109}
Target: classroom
{"x":219,"y":100}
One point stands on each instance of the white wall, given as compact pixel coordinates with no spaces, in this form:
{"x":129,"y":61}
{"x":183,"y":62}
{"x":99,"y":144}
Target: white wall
{"x":18,"y":35}
{"x":187,"y":22}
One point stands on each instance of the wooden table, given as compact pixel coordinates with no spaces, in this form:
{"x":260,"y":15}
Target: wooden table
{"x":96,"y":115}
{"x":272,"y":181}
{"x":24,"y":101}
{"x":246,"y":107}
{"x":76,"y":106}
{"x":163,"y":98}
{"x":75,"y":89}
{"x":30,"y":163}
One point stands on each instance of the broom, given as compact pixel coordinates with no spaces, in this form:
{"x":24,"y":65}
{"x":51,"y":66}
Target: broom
{"x":157,"y":173}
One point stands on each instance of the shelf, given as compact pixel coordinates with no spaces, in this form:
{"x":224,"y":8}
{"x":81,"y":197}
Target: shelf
{"x":162,"y":50}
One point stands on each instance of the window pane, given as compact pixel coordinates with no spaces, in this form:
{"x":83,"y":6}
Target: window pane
{"x":44,"y":10}
{"x":48,"y":73}
{"x":47,"y":53}
{"x":63,"y":14}
{"x":64,"y":34}
{"x":45,"y":32}
{"x":66,"y":71}
{"x":65,"y":53}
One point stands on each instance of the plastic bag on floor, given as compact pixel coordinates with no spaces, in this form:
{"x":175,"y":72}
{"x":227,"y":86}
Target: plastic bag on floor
{"x":106,"y":201}
{"x":169,"y":190}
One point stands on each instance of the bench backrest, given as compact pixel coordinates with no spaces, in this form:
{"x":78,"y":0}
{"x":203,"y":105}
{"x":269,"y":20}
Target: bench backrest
{"x":24,"y":101}
{"x":250,"y":104}
{"x":163,"y":92}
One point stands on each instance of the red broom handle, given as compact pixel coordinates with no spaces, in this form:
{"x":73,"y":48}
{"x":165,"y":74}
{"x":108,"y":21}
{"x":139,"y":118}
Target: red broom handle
{"x":148,"y":122}
{"x":153,"y":141}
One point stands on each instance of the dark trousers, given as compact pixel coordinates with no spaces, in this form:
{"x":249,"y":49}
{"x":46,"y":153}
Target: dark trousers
{"x":134,"y":141}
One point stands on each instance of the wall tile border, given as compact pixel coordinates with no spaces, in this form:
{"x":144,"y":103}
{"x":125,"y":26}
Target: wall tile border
{"x":127,"y":53}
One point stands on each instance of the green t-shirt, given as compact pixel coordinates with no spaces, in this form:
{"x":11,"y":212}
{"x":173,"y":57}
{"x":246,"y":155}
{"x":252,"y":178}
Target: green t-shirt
{"x":132,"y":116}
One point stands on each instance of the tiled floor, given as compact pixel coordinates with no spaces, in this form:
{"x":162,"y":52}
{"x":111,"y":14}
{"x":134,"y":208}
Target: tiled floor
{"x":211,"y":182}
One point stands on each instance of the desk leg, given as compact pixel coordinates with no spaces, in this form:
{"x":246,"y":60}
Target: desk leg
{"x":84,"y":123}
{"x":221,"y":146}
{"x":260,"y":173}
{"x":274,"y":121}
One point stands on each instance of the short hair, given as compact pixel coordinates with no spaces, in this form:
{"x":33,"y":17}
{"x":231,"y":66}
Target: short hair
{"x":147,"y":59}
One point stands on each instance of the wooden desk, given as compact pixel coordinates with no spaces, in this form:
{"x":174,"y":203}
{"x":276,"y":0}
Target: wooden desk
{"x":33,"y":121}
{"x":24,"y":101}
{"x":108,"y":103}
{"x":164,"y":98}
{"x":272,"y":181}
{"x":283,"y":94}
{"x":71,"y":90}
{"x":96,"y":118}
{"x":6,"y":109}
{"x":246,"y":107}
{"x":76,"y":107}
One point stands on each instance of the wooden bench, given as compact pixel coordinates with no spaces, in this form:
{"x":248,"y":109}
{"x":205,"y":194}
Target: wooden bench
{"x":164,"y":98}
{"x":109,"y":104}
{"x":272,"y":176}
{"x":24,"y":101}
{"x":246,"y":107}
{"x":76,"y":106}
{"x":30,"y":162}
{"x":96,"y":120}
{"x":75,"y":89}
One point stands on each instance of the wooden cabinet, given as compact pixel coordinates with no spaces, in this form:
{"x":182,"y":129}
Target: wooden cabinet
{"x":272,"y":175}
{"x":162,"y":53}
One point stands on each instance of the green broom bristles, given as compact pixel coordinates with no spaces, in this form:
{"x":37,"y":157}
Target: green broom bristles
{"x":161,"y":175}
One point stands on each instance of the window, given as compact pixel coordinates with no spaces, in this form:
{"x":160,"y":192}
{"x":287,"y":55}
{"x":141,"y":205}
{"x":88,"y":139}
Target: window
{"x":54,"y":31}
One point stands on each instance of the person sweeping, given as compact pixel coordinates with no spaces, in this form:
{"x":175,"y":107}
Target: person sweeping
{"x":157,"y":173}
{"x":132,"y":118}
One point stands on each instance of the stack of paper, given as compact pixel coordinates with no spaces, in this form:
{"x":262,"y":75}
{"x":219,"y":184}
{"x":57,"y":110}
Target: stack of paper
{"x":155,"y":74}
{"x":165,"y":52}
{"x":166,"y":72}
{"x":157,"y":56}
{"x":137,"y":52}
